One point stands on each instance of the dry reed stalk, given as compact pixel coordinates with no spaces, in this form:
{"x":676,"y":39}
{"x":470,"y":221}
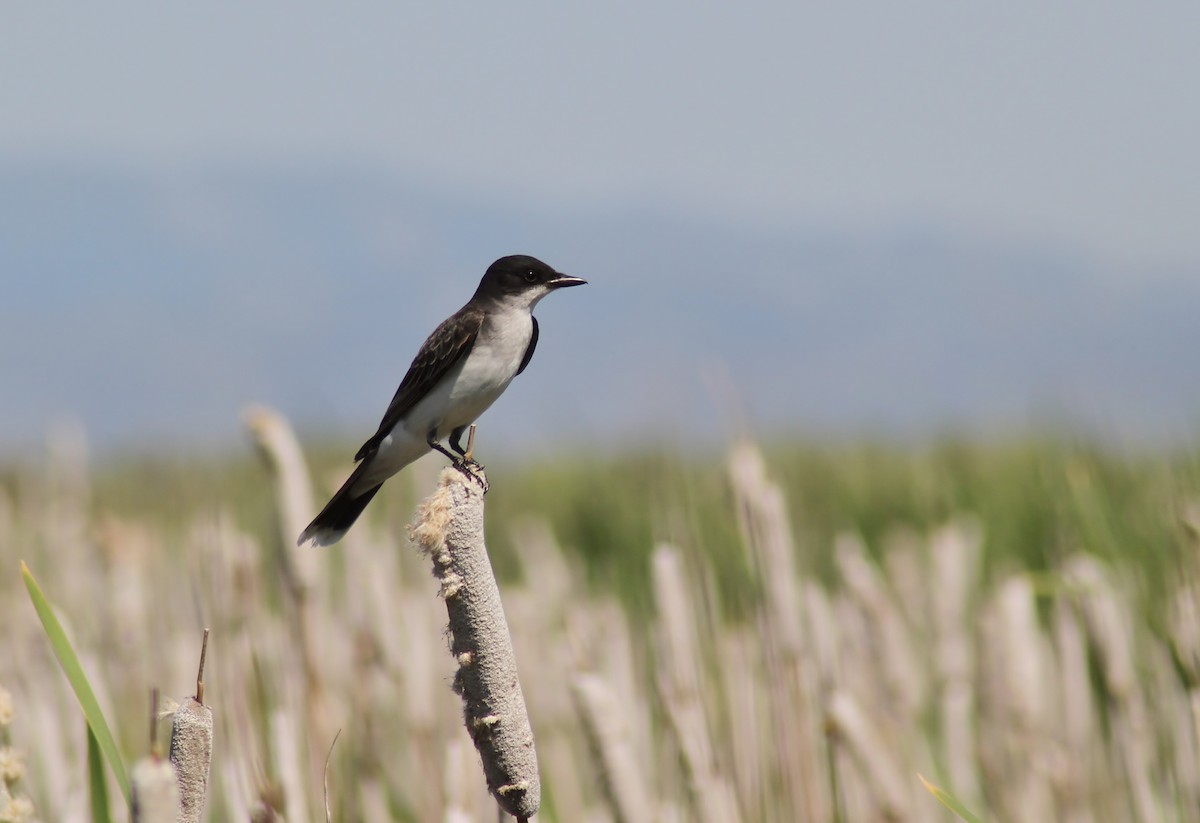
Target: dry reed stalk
{"x":955,"y":551}
{"x":1170,"y":730}
{"x":58,"y":514}
{"x":600,"y":642}
{"x":237,"y":680}
{"x":14,"y":805}
{"x":614,"y":659}
{"x":1028,"y":680}
{"x":1076,"y":712}
{"x":876,"y":761}
{"x":58,"y":798}
{"x":8,"y":522}
{"x":907,"y":572}
{"x":449,"y":529}
{"x":68,"y":491}
{"x":680,"y":685}
{"x":548,"y":576}
{"x":286,"y":751}
{"x":822,"y":634}
{"x":539,"y":607}
{"x":396,"y":636}
{"x":264,"y":812}
{"x":1108,"y":623}
{"x":153,"y":785}
{"x":890,"y":638}
{"x":154,"y":793}
{"x":301,"y":568}
{"x":991,"y":698}
{"x":607,"y":729}
{"x":422,"y":671}
{"x":837,"y":635}
{"x":749,"y":718}
{"x":1184,"y":623}
{"x":767,"y":534}
{"x":129,"y":554}
{"x":459,"y":805}
{"x":233,"y":790}
{"x":277,"y":443}
{"x":373,"y":801}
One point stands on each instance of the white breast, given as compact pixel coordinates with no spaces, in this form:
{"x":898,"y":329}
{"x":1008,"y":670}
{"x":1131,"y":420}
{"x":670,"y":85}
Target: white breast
{"x":482,"y":377}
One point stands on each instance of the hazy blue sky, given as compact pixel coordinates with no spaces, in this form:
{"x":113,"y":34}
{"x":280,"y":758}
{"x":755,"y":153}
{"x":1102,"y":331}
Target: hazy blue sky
{"x":899,"y":215}
{"x":1072,"y":123}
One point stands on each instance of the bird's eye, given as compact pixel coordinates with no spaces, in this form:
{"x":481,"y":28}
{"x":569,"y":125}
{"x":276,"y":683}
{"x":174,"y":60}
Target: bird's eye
{"x":531,"y":276}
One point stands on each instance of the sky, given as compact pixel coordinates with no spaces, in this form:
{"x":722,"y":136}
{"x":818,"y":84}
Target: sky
{"x":878,"y":212}
{"x":1071,"y":123}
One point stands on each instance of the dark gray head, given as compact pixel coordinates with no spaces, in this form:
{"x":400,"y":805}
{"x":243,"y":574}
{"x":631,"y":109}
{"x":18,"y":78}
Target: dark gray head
{"x":521,"y":279}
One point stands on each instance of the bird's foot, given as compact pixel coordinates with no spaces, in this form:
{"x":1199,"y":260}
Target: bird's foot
{"x":472,"y":469}
{"x":464,"y":460}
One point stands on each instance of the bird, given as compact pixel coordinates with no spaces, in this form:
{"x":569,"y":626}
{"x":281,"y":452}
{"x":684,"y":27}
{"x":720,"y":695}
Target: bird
{"x":459,"y":371}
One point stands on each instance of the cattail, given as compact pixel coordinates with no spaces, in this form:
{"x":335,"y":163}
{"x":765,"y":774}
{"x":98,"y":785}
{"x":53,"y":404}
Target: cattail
{"x":1108,"y":624}
{"x":898,"y":660}
{"x":679,"y":680}
{"x":749,"y":720}
{"x":293,"y":490}
{"x":191,"y":747}
{"x":285,"y":746}
{"x":449,"y":529}
{"x":608,"y":732}
{"x":301,"y":567}
{"x":154,"y":791}
{"x":1028,"y":679}
{"x":876,"y":761}
{"x":908,"y":575}
{"x":1074,"y":708}
{"x":153,"y":787}
{"x":955,"y":550}
{"x":791,"y":669}
{"x":14,"y":805}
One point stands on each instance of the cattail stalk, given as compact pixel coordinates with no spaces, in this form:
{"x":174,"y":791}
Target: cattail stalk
{"x":301,"y":566}
{"x":955,"y":551}
{"x":449,"y":529}
{"x":791,"y":670}
{"x":608,"y":732}
{"x":1108,"y":625}
{"x":1028,"y":680}
{"x":153,"y":788}
{"x":191,"y":747}
{"x":154,"y":792}
{"x":679,"y":681}
{"x":876,"y":761}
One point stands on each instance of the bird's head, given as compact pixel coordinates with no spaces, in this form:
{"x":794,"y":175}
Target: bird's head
{"x":523,"y":280}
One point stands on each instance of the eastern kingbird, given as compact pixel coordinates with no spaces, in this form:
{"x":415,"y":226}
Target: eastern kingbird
{"x":462,"y":368}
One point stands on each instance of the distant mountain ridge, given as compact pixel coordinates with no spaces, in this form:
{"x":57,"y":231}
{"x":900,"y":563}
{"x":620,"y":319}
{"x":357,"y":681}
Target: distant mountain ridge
{"x":154,"y":306}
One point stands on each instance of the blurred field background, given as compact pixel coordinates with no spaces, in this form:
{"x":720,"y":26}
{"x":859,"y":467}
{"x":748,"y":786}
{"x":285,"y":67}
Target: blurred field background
{"x":868,"y":452}
{"x":784,"y":634}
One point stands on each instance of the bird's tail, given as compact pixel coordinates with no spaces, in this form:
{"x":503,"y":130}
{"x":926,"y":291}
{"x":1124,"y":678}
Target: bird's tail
{"x":340,"y":512}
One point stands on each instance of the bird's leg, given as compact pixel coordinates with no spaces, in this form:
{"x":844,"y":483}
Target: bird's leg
{"x":455,"y":440}
{"x":465,"y":463}
{"x":431,"y":441}
{"x":468,"y":454}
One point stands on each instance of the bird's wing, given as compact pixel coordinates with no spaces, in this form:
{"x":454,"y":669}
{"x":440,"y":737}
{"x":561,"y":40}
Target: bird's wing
{"x":532,"y":345}
{"x":449,"y":344}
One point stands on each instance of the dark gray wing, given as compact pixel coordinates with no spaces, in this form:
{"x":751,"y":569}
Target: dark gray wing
{"x":449,"y":343}
{"x":532,"y":345}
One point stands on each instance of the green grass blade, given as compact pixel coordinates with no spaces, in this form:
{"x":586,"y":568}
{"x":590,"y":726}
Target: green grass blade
{"x":950,"y":801}
{"x":97,"y":785}
{"x":71,"y":667}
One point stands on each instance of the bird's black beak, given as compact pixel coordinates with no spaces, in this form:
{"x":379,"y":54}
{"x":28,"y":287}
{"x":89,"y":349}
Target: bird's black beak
{"x":563,"y":280}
